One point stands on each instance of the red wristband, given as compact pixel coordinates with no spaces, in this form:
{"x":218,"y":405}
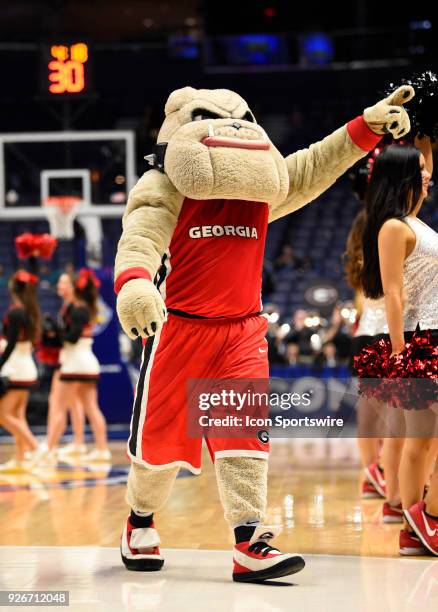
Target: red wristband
{"x":362,"y":135}
{"x":130,"y":274}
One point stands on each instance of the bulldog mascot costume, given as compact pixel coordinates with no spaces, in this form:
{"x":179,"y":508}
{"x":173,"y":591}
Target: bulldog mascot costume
{"x":188,"y":277}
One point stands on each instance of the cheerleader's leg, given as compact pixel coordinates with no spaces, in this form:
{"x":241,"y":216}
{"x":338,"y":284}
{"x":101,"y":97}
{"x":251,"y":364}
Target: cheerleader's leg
{"x":87,"y":394}
{"x":432,"y":494}
{"x":61,"y":399}
{"x":77,"y":418}
{"x":12,"y":423}
{"x":22,"y":447}
{"x":414,"y":460}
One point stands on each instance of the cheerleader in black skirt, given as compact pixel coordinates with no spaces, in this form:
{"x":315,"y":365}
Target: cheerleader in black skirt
{"x":18,"y":373}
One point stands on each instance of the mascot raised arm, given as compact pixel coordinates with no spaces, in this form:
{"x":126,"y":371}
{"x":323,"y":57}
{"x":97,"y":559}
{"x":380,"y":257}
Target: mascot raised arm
{"x":188,"y":277}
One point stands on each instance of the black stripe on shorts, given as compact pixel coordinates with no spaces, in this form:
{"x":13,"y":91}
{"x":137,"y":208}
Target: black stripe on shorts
{"x":147,"y":350}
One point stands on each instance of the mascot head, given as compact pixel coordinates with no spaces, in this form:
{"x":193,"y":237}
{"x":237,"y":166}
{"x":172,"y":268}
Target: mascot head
{"x":214,"y":148}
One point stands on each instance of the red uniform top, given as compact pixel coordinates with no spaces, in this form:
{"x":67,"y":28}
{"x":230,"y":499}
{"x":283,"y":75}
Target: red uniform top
{"x":213,"y":267}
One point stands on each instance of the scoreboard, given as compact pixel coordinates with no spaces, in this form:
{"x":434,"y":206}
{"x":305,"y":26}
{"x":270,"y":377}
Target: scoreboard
{"x":66,"y":69}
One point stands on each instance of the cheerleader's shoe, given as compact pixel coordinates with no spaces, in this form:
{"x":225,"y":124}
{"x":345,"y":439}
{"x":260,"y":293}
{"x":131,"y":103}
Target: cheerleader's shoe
{"x":98,"y":456}
{"x":369,"y":491}
{"x":424,"y":525}
{"x":73,"y":450}
{"x":42,"y":457}
{"x":410,"y":545}
{"x":140,"y":548}
{"x":392,"y":514}
{"x":256,"y":560}
{"x":13,"y":466}
{"x":376,"y":477}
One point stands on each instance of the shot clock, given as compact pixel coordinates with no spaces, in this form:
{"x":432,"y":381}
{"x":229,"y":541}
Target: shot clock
{"x":65,"y":70}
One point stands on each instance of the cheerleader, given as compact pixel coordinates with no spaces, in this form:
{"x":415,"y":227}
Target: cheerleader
{"x":18,"y":372}
{"x":380,"y":456}
{"x":371,"y":322}
{"x":79,"y":371}
{"x":48,"y":355}
{"x":401,"y":264}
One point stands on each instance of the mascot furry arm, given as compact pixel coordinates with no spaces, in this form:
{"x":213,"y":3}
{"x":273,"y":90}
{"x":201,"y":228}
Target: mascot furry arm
{"x":214,"y":149}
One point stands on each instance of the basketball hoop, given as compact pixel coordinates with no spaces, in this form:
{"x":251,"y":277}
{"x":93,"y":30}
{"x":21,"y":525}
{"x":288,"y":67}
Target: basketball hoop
{"x":61,"y":212}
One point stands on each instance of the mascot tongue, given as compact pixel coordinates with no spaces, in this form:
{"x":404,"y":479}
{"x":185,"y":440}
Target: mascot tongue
{"x":237,"y":143}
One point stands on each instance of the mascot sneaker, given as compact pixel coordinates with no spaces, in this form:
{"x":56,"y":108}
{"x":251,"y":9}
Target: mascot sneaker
{"x":409,"y":544}
{"x":376,"y":477}
{"x":256,"y":560}
{"x":424,"y":525}
{"x":139,"y":548}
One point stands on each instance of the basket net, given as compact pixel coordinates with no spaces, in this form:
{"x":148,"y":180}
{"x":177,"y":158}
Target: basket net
{"x":61,"y":212}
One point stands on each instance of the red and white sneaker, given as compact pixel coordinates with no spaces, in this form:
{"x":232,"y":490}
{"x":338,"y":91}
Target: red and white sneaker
{"x":425,"y":527}
{"x":409,"y":544}
{"x":392,"y":514}
{"x":256,"y":560}
{"x":139,"y":548}
{"x":376,"y":478}
{"x":369,"y":491}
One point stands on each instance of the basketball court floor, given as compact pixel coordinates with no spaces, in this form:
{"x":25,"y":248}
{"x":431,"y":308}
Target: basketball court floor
{"x":61,"y":528}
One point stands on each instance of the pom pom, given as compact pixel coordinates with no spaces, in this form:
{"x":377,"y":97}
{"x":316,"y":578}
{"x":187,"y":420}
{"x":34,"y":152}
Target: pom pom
{"x":24,"y":245}
{"x":423,"y":108}
{"x":46,"y":245}
{"x":409,"y":380}
{"x":35,"y":245}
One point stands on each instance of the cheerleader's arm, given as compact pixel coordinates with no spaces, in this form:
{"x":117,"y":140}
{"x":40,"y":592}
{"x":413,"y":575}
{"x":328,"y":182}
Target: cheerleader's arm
{"x":15,"y":322}
{"x":392,"y":243}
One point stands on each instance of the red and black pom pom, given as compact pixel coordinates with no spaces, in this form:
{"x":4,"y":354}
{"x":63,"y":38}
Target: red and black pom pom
{"x":408,"y":380}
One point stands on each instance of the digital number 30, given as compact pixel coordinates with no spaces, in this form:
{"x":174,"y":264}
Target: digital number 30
{"x":66,"y":77}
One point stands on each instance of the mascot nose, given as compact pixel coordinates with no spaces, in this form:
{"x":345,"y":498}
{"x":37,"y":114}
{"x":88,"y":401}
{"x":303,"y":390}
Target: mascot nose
{"x":236,"y":125}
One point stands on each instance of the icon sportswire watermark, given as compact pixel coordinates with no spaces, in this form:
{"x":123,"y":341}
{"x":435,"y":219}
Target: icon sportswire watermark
{"x":306,"y":407}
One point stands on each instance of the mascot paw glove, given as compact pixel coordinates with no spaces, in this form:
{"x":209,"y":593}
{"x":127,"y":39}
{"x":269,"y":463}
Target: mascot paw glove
{"x":388,"y":115}
{"x":141,"y":308}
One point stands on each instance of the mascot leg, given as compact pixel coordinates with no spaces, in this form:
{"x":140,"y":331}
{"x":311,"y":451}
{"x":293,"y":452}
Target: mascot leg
{"x":148,"y":491}
{"x":242,"y":484}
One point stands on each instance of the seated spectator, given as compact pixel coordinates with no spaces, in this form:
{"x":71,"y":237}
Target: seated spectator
{"x":274,"y":336}
{"x":292,"y":356}
{"x":287,"y":259}
{"x":339,"y":334}
{"x":300,"y":334}
{"x":327,"y":357}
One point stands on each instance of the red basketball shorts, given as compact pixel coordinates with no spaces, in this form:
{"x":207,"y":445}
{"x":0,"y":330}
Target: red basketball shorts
{"x":185,"y":349}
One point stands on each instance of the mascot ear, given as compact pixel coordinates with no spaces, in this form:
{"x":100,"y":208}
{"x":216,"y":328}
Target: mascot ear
{"x":179,"y":98}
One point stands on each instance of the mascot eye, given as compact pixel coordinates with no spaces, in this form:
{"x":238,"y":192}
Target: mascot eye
{"x":199,"y":114}
{"x":248,"y":116}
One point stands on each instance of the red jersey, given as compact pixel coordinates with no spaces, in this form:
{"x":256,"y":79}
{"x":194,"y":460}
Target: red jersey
{"x":213,"y":267}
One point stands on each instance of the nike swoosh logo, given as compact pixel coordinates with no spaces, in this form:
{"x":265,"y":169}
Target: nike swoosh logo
{"x":380,"y":478}
{"x":430,"y":532}
{"x":263,"y":351}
